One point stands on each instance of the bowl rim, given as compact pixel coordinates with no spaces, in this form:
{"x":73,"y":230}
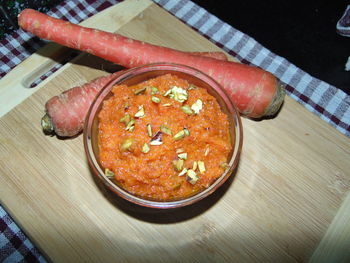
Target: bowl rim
{"x":127,"y":74}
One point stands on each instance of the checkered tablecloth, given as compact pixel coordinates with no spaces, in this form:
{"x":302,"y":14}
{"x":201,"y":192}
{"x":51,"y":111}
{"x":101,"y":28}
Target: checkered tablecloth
{"x":329,"y":103}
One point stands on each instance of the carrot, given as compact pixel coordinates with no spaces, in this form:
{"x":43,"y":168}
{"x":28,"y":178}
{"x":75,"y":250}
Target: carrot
{"x":66,"y":112}
{"x":255,"y":92}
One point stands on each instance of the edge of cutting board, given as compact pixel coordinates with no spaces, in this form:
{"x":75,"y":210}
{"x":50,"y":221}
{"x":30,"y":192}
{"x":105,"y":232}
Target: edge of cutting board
{"x":14,"y":88}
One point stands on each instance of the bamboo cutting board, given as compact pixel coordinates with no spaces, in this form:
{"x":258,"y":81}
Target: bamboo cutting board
{"x":287,"y":202}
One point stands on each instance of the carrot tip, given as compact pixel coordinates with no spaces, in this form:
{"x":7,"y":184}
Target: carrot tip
{"x":47,"y":125}
{"x":277,"y":101}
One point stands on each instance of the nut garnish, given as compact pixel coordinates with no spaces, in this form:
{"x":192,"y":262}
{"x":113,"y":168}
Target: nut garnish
{"x":131,"y":125}
{"x":197,"y":106}
{"x":186,"y":109}
{"x":207,"y":149}
{"x":192,"y":176}
{"x":191,"y":87}
{"x":155,"y":99}
{"x":125,"y":119}
{"x":140,"y":113}
{"x":146,"y":148}
{"x":176,"y":93}
{"x":140,"y":91}
{"x":154,"y":90}
{"x":157,"y":139}
{"x":201,"y":167}
{"x":125,"y":146}
{"x":165,"y":130}
{"x":166,"y":104}
{"x":178,"y":165}
{"x":182,"y":156}
{"x":187,"y":132}
{"x":109,"y":173}
{"x":183,"y":172}
{"x":194,"y":166}
{"x":181,"y":134}
{"x":149,"y":130}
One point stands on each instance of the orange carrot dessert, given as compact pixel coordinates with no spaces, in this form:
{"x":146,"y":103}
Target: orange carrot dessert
{"x":163,"y":139}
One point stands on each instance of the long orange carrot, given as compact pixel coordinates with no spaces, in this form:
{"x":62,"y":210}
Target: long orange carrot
{"x":66,"y":112}
{"x":255,"y":92}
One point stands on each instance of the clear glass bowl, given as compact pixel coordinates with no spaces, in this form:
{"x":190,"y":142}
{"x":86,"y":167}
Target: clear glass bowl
{"x":136,"y":75}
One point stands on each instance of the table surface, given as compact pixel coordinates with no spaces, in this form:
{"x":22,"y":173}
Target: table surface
{"x":14,"y":242}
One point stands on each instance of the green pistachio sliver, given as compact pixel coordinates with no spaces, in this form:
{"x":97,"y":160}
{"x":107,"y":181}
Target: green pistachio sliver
{"x":149,"y":130}
{"x":130,"y":126}
{"x":179,"y":150}
{"x":183,"y":172}
{"x":155,"y":99}
{"x":140,"y":91}
{"x":180,"y":94}
{"x":186,"y":109}
{"x":125,"y":146}
{"x":192,"y":176}
{"x":187,"y":132}
{"x":154,"y":90}
{"x":191,"y":87}
{"x":201,"y":167}
{"x":197,"y":106}
{"x":146,"y":148}
{"x":182,"y":156}
{"x":180,"y":135}
{"x":109,"y":173}
{"x":165,"y":129}
{"x":207,"y":149}
{"x":195,"y":164}
{"x":140,"y":113}
{"x":125,"y":119}
{"x":167,"y":93}
{"x":178,"y":165}
{"x":224,"y":165}
{"x":166,"y":104}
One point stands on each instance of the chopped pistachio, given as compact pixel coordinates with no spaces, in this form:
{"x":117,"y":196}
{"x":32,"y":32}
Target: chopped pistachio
{"x":130,"y":126}
{"x":166,"y":104}
{"x":140,"y":113}
{"x":194,"y":166}
{"x":191,"y":87}
{"x":201,"y":167}
{"x":176,"y":93}
{"x":182,"y":156}
{"x":149,"y":130}
{"x":180,"y":150}
{"x":154,"y":90}
{"x":157,"y":139}
{"x":126,"y":144}
{"x":178,"y":165}
{"x":140,"y":91}
{"x":155,"y":99}
{"x":187,"y":132}
{"x":167,"y":93}
{"x":197,"y":106}
{"x":146,"y":148}
{"x":180,"y":94}
{"x":183,"y":172}
{"x":207,"y":149}
{"x":109,"y":173}
{"x":224,"y":165}
{"x":125,"y":119}
{"x":181,"y":134}
{"x":165,"y":130}
{"x":192,"y":176}
{"x":186,"y":109}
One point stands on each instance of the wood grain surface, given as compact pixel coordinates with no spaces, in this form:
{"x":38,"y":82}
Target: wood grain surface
{"x":279,"y":205}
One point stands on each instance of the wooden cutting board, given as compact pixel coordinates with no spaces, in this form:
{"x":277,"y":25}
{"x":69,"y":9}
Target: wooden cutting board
{"x":287,"y":202}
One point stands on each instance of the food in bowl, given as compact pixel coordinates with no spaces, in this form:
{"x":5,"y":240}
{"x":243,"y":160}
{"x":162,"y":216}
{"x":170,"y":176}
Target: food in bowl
{"x":163,"y":139}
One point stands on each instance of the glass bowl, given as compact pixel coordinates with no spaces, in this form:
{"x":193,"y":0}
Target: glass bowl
{"x":139,"y":74}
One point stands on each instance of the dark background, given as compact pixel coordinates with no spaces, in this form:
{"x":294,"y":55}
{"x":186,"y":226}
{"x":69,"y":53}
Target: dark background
{"x":302,"y":32}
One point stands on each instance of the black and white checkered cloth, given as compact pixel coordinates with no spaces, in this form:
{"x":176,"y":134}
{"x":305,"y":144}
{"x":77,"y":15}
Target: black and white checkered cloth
{"x":329,"y":103}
